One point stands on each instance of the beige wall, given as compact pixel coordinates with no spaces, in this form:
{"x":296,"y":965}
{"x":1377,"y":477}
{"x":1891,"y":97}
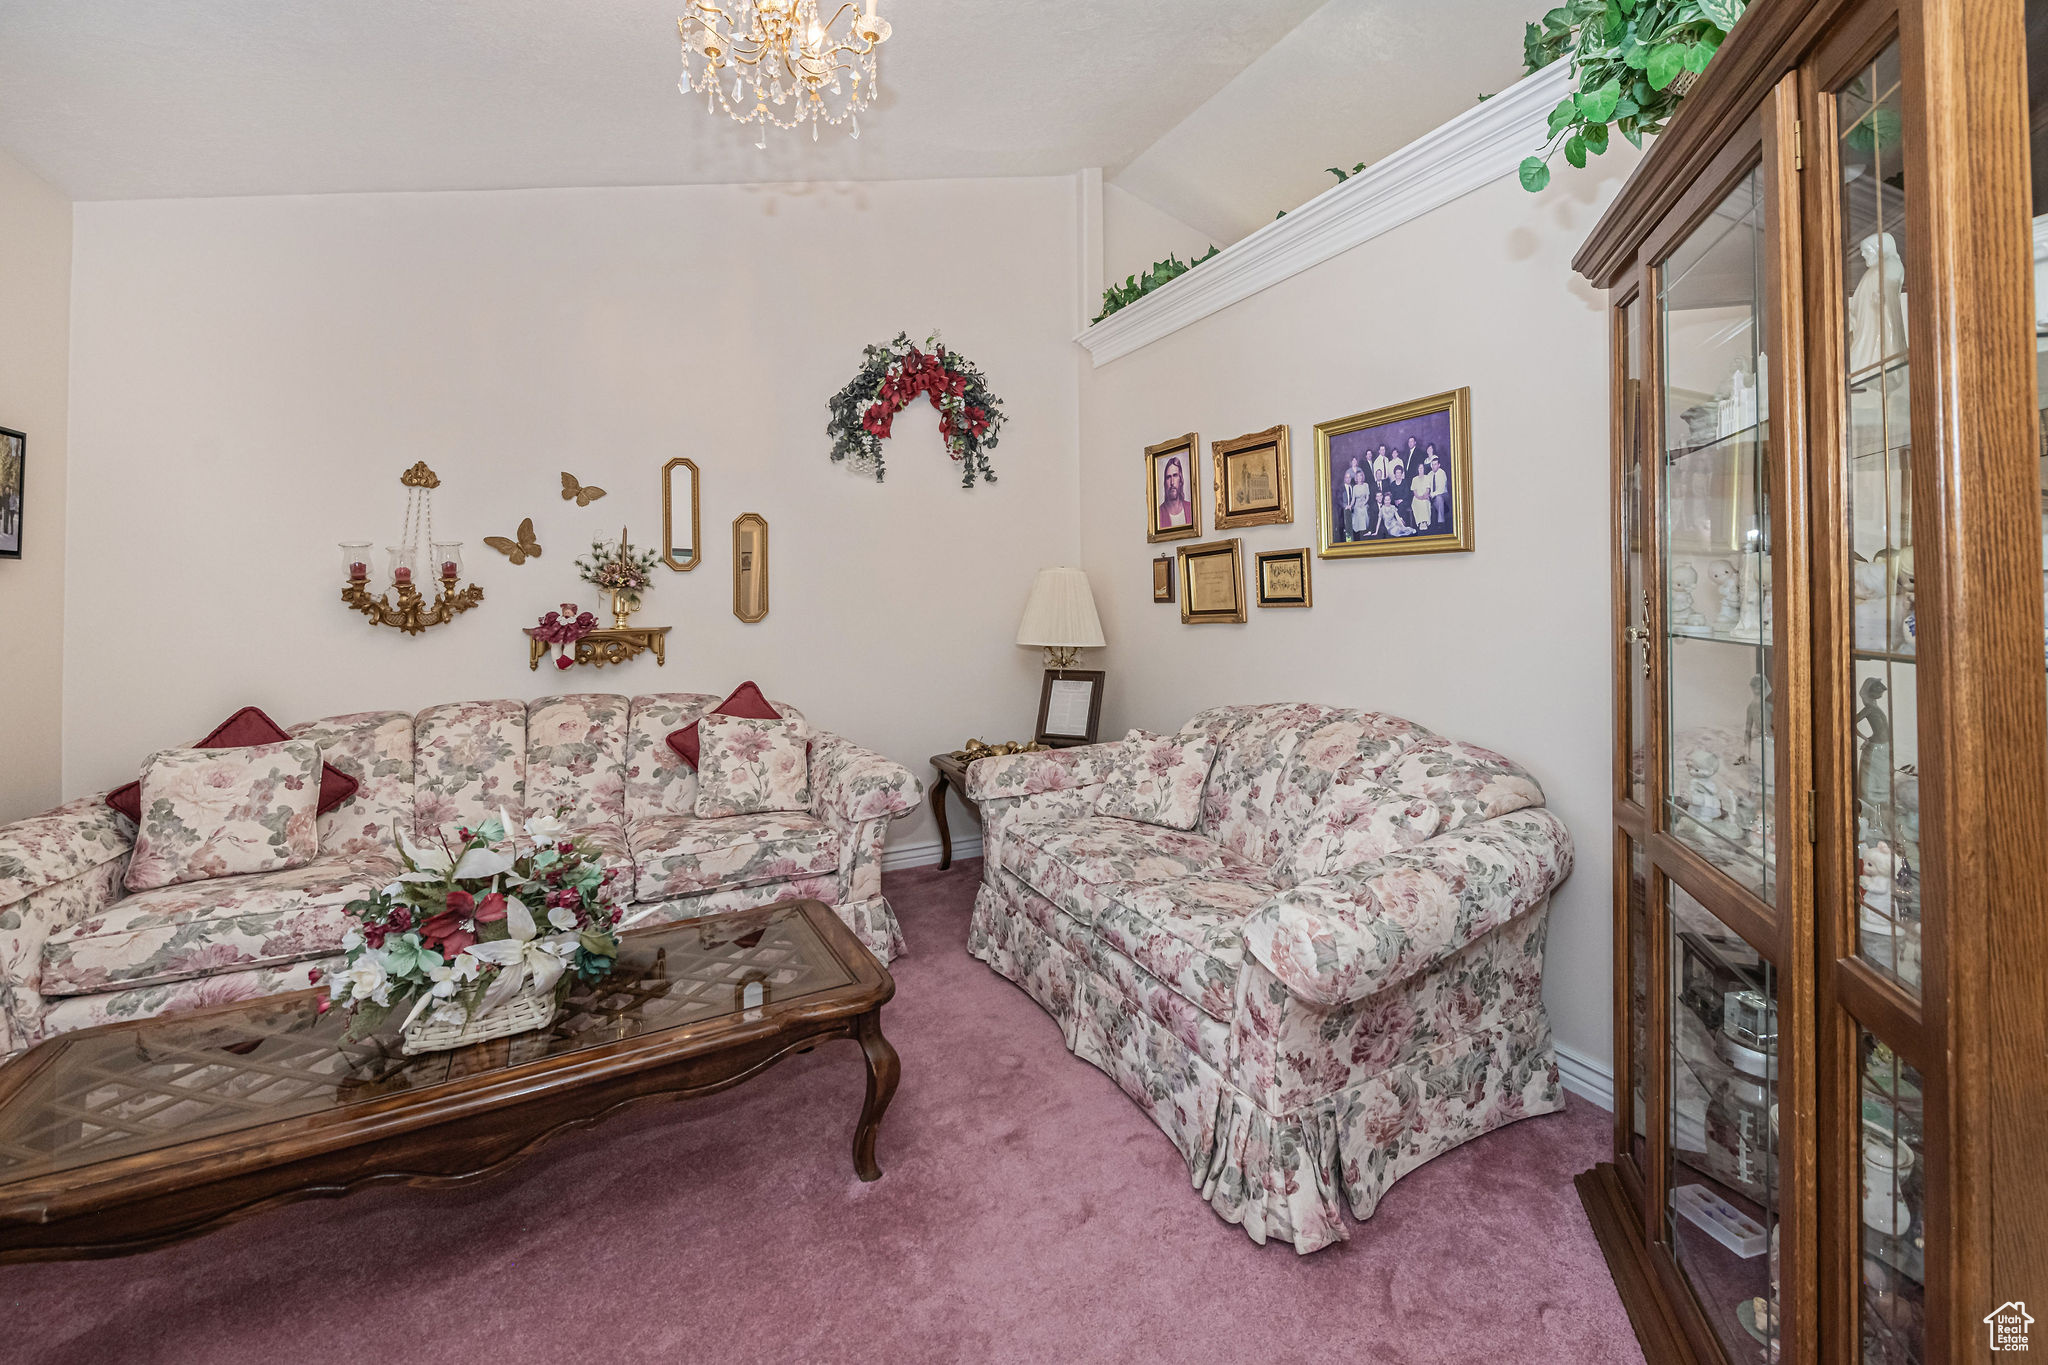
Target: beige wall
{"x":1507,"y":646}
{"x":252,"y":375}
{"x":35,"y":318}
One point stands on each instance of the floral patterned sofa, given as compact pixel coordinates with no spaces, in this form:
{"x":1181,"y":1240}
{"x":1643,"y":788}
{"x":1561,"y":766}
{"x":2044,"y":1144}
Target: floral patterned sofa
{"x":1335,"y":976}
{"x":76,"y":950}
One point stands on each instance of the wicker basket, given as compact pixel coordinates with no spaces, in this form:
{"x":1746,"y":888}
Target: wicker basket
{"x":523,"y":1013}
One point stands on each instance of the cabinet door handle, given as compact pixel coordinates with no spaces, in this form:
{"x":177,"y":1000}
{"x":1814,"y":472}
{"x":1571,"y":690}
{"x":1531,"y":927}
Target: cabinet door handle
{"x":1639,"y":635}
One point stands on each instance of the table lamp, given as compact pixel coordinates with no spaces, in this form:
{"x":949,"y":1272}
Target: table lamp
{"x":1059,"y":617}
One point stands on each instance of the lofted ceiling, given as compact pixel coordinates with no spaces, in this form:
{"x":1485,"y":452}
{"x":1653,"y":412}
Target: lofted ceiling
{"x":1355,"y":81}
{"x":120,"y":99}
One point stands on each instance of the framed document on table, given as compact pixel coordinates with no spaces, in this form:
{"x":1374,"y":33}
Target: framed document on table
{"x":1069,"y":707}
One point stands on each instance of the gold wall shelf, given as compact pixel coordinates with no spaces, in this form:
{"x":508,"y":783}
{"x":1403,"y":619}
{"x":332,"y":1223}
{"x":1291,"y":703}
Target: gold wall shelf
{"x":612,"y":646}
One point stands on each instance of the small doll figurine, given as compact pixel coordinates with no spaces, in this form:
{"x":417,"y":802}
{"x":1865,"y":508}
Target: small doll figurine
{"x":1684,"y":578}
{"x":1871,"y":615}
{"x":1702,"y":792}
{"x":1728,"y":584}
{"x":1902,"y":602}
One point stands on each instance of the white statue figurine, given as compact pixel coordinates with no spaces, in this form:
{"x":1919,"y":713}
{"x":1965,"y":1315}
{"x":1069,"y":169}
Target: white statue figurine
{"x":1728,"y":584}
{"x":1749,"y":620}
{"x":1871,"y":614}
{"x":1877,"y":312}
{"x":1702,"y":793}
{"x":1684,"y":578}
{"x":1903,"y":623}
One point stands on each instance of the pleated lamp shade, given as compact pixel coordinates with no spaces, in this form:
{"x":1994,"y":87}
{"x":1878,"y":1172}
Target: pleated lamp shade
{"x":1060,"y":613}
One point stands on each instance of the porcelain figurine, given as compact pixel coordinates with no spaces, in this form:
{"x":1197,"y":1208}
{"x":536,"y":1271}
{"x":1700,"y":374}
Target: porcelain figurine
{"x":1871,"y":614}
{"x":1702,"y":792}
{"x":1756,"y":722}
{"x":1749,"y":620}
{"x":1887,"y":1162}
{"x":1684,"y":578}
{"x":1874,"y":762}
{"x":1727,"y":583}
{"x":1877,"y":311}
{"x":1902,"y":626}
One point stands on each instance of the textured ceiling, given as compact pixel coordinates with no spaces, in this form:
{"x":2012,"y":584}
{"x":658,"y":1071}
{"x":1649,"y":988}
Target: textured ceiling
{"x":118,"y":99}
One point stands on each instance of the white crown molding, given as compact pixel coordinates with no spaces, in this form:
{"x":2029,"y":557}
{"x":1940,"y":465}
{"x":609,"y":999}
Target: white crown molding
{"x":1584,"y":1077}
{"x":1477,"y":147}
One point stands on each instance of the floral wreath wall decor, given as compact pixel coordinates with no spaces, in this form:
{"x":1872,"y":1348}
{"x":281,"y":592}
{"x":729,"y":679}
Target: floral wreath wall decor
{"x":890,"y":379}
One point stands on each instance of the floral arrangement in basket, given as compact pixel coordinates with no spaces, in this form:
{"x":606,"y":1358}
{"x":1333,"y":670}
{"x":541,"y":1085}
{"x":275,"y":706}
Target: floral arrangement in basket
{"x":622,"y":571}
{"x":890,"y":379}
{"x":471,"y":930}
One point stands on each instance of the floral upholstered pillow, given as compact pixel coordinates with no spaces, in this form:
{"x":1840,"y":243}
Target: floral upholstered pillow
{"x":747,"y":766}
{"x":1159,"y":779}
{"x":226,"y":812}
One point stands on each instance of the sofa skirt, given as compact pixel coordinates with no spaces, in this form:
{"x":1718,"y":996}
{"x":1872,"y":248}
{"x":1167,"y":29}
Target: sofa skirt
{"x":1278,"y":1176}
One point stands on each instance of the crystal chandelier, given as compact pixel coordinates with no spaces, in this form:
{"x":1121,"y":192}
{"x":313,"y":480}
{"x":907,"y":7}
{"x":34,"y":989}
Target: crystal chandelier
{"x":775,"y":61}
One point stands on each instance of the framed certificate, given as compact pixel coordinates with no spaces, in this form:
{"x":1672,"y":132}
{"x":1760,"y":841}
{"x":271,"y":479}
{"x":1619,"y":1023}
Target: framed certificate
{"x":1069,"y":707}
{"x":1212,"y":582}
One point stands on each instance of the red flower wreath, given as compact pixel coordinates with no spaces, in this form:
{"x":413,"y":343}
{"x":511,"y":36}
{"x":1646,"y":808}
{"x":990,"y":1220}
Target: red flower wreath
{"x":891,"y":378}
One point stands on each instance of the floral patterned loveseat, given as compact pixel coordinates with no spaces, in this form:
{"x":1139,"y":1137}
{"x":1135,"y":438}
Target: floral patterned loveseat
{"x":77,"y":950}
{"x":1334,"y":977}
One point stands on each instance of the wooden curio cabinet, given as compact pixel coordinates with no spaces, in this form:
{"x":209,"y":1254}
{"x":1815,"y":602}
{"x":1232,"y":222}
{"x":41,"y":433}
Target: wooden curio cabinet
{"x":1831,"y":704}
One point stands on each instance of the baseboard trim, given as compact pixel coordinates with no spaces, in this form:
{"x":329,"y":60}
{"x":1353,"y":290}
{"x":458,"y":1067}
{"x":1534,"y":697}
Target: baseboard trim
{"x":903,"y":857}
{"x":1586,"y":1078}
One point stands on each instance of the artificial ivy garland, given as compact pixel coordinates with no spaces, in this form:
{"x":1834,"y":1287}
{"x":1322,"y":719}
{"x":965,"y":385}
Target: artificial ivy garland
{"x":890,"y":379}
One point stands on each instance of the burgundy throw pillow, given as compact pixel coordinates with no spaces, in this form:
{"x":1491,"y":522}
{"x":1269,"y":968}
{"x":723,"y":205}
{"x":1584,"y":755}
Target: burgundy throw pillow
{"x":746,"y":702}
{"x":244,"y":729}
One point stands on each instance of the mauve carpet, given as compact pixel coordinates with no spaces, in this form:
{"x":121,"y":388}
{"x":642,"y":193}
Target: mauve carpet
{"x":1027,"y":1212}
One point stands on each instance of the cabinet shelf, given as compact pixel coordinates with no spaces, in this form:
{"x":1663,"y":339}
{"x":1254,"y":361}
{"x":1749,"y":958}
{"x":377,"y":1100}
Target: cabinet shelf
{"x":1726,"y":440}
{"x":1709,"y":634}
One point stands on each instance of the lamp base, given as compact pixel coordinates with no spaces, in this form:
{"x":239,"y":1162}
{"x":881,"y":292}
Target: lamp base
{"x":1061,"y":656}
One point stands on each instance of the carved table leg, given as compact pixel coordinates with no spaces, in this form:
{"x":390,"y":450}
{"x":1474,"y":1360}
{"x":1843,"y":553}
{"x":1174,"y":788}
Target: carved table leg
{"x":883,"y":1070}
{"x":939,"y":814}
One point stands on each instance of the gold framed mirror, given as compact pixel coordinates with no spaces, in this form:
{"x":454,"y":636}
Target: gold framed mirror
{"x":682,"y":541}
{"x":750,"y":567}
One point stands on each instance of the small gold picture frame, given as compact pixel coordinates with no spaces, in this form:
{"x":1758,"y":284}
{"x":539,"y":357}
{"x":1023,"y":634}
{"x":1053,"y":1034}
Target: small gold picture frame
{"x":1171,"y":512}
{"x":750,"y":567}
{"x":682,"y":542}
{"x":1396,"y":481}
{"x":1162,"y":579}
{"x":1254,"y":479}
{"x":1212,"y":583}
{"x":1282,"y":578}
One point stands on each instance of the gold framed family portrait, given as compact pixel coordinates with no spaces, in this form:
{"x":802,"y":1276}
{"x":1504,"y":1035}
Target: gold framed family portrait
{"x":1254,"y":481}
{"x":1396,"y":480}
{"x":1171,"y":512}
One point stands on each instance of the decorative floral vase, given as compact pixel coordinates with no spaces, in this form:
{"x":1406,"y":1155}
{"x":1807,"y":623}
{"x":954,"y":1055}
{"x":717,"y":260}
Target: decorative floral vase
{"x":525,"y":1011}
{"x":624,"y":603}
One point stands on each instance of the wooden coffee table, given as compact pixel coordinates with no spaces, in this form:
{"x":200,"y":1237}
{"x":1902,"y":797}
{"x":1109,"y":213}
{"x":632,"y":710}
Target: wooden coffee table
{"x":123,"y":1137}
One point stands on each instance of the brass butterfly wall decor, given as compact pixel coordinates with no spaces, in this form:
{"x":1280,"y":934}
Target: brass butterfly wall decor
{"x":520,"y":550}
{"x":582,"y":494}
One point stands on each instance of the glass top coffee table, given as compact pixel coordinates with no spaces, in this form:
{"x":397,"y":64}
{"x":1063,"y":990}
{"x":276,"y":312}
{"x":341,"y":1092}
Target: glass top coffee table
{"x":123,"y":1137}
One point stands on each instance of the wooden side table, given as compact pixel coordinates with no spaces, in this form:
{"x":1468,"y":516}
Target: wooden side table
{"x":952,"y":773}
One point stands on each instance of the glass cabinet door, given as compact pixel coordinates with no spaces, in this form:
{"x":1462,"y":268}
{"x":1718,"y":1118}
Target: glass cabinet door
{"x":1718,"y":1132}
{"x":1716,"y":560}
{"x":1877,"y":417}
{"x":1882,"y":1152}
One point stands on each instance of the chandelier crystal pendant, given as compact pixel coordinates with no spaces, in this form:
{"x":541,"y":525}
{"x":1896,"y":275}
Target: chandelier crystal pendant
{"x":776,"y":62}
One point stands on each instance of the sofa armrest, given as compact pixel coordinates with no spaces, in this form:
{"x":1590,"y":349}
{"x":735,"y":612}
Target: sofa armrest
{"x":850,"y":784}
{"x":1348,"y":936}
{"x":1008,"y":777}
{"x":56,"y":869}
